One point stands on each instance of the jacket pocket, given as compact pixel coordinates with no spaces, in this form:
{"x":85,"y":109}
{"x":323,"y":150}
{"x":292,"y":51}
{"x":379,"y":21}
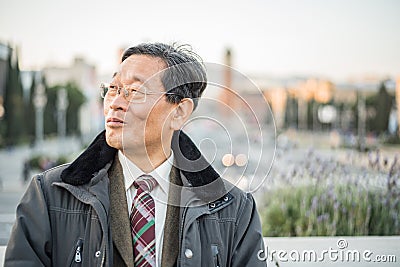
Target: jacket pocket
{"x":215,"y":254}
{"x":77,"y":257}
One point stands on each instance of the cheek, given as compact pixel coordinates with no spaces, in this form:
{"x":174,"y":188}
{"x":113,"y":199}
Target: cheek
{"x":159,"y":118}
{"x":137,"y":113}
{"x":106,"y":107}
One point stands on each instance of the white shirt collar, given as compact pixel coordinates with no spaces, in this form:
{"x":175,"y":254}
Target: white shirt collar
{"x":132,"y":172}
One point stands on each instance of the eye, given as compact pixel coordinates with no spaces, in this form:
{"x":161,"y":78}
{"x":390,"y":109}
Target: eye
{"x":136,"y":89}
{"x":133,"y":89}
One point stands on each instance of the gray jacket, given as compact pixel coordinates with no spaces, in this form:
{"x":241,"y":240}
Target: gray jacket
{"x":76,"y":215}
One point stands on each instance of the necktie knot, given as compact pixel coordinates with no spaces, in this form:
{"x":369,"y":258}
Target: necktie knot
{"x":145,"y":182}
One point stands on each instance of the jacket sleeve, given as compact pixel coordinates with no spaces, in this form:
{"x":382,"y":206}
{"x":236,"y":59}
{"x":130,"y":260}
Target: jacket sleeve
{"x":248,"y":236}
{"x":29,"y":243}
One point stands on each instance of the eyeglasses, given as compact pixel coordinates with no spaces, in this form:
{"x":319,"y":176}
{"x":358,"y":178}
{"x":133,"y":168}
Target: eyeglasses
{"x":132,"y":93}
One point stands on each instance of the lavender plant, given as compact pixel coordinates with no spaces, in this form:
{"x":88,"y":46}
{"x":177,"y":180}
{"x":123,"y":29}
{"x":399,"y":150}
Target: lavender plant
{"x":320,"y":196}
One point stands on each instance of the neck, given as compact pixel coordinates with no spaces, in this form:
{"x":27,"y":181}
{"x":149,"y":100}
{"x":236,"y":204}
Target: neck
{"x":149,"y":160}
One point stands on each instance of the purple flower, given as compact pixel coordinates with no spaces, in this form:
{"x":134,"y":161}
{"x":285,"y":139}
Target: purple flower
{"x":314,"y":203}
{"x":323,"y":217}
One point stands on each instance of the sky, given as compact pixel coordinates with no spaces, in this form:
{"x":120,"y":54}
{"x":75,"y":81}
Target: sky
{"x":337,"y":39}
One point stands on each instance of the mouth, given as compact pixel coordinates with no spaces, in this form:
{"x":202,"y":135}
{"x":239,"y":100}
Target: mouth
{"x":114,"y":122}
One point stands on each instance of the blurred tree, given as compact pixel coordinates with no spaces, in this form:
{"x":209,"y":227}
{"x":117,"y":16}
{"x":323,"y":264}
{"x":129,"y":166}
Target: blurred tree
{"x":310,"y":114}
{"x":30,"y":112}
{"x":379,"y":106}
{"x":291,"y":114}
{"x":75,"y":99}
{"x":50,"y":111}
{"x":13,"y":103}
{"x":383,"y":108}
{"x":354,"y":111}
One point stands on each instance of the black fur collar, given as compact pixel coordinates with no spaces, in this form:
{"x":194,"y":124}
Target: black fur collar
{"x":188,"y":159}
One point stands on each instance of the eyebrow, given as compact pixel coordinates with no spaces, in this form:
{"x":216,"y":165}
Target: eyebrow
{"x":131,"y":77}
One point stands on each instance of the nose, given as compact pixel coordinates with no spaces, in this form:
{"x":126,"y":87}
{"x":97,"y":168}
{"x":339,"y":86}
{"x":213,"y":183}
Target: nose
{"x":119,"y":102}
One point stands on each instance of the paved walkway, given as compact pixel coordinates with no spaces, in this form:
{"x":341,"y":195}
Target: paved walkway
{"x":12,"y":184}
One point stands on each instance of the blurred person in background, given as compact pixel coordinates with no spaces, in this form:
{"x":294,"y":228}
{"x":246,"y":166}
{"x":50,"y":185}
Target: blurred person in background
{"x":141,"y":194}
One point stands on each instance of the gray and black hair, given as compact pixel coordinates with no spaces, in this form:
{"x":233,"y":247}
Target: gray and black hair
{"x":185,"y":75}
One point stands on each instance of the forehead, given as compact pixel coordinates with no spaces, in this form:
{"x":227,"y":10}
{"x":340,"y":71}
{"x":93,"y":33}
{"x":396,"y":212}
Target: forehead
{"x":140,"y":68}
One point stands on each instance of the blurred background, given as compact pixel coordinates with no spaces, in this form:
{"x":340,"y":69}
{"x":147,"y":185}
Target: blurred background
{"x":312,"y":128}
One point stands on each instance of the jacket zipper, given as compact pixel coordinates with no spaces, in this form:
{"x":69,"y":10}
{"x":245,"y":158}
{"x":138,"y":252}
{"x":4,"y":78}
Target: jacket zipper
{"x":214,"y":250}
{"x":181,"y":233}
{"x":78,"y":251}
{"x":104,"y":257}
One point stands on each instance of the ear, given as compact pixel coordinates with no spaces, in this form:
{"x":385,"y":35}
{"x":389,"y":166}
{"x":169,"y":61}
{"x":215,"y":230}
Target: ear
{"x":181,"y":113}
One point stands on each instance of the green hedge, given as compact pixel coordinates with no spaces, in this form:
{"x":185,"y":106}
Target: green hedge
{"x":340,"y":210}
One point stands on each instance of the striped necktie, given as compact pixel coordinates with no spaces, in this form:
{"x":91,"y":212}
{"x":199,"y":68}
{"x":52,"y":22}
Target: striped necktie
{"x":142,"y":222}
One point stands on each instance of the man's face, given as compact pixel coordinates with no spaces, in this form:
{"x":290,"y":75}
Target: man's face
{"x":138,"y":127}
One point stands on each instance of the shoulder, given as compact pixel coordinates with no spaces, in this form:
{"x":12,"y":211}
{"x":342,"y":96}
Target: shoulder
{"x":239,"y":196}
{"x":48,"y":177}
{"x":238,"y":203}
{"x":43,"y":182}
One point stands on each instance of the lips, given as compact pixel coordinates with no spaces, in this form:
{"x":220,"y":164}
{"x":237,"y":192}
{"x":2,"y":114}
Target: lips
{"x":114,"y":122}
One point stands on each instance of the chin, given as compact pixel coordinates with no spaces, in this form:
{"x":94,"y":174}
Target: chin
{"x":113,"y":140}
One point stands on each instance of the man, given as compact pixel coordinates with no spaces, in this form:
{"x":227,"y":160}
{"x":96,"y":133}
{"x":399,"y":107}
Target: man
{"x":141,"y":194}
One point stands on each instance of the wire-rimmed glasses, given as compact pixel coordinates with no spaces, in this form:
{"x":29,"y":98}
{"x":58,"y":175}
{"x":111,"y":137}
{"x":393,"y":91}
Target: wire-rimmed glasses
{"x":132,"y":93}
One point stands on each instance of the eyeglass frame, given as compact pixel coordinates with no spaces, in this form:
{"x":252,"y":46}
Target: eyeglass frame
{"x":104,"y":86}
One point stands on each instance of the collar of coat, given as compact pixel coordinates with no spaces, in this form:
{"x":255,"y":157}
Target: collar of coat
{"x":188,"y":160}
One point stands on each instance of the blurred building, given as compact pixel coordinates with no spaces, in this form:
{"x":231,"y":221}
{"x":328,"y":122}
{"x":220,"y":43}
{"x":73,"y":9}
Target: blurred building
{"x":307,"y":103}
{"x":312,"y":103}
